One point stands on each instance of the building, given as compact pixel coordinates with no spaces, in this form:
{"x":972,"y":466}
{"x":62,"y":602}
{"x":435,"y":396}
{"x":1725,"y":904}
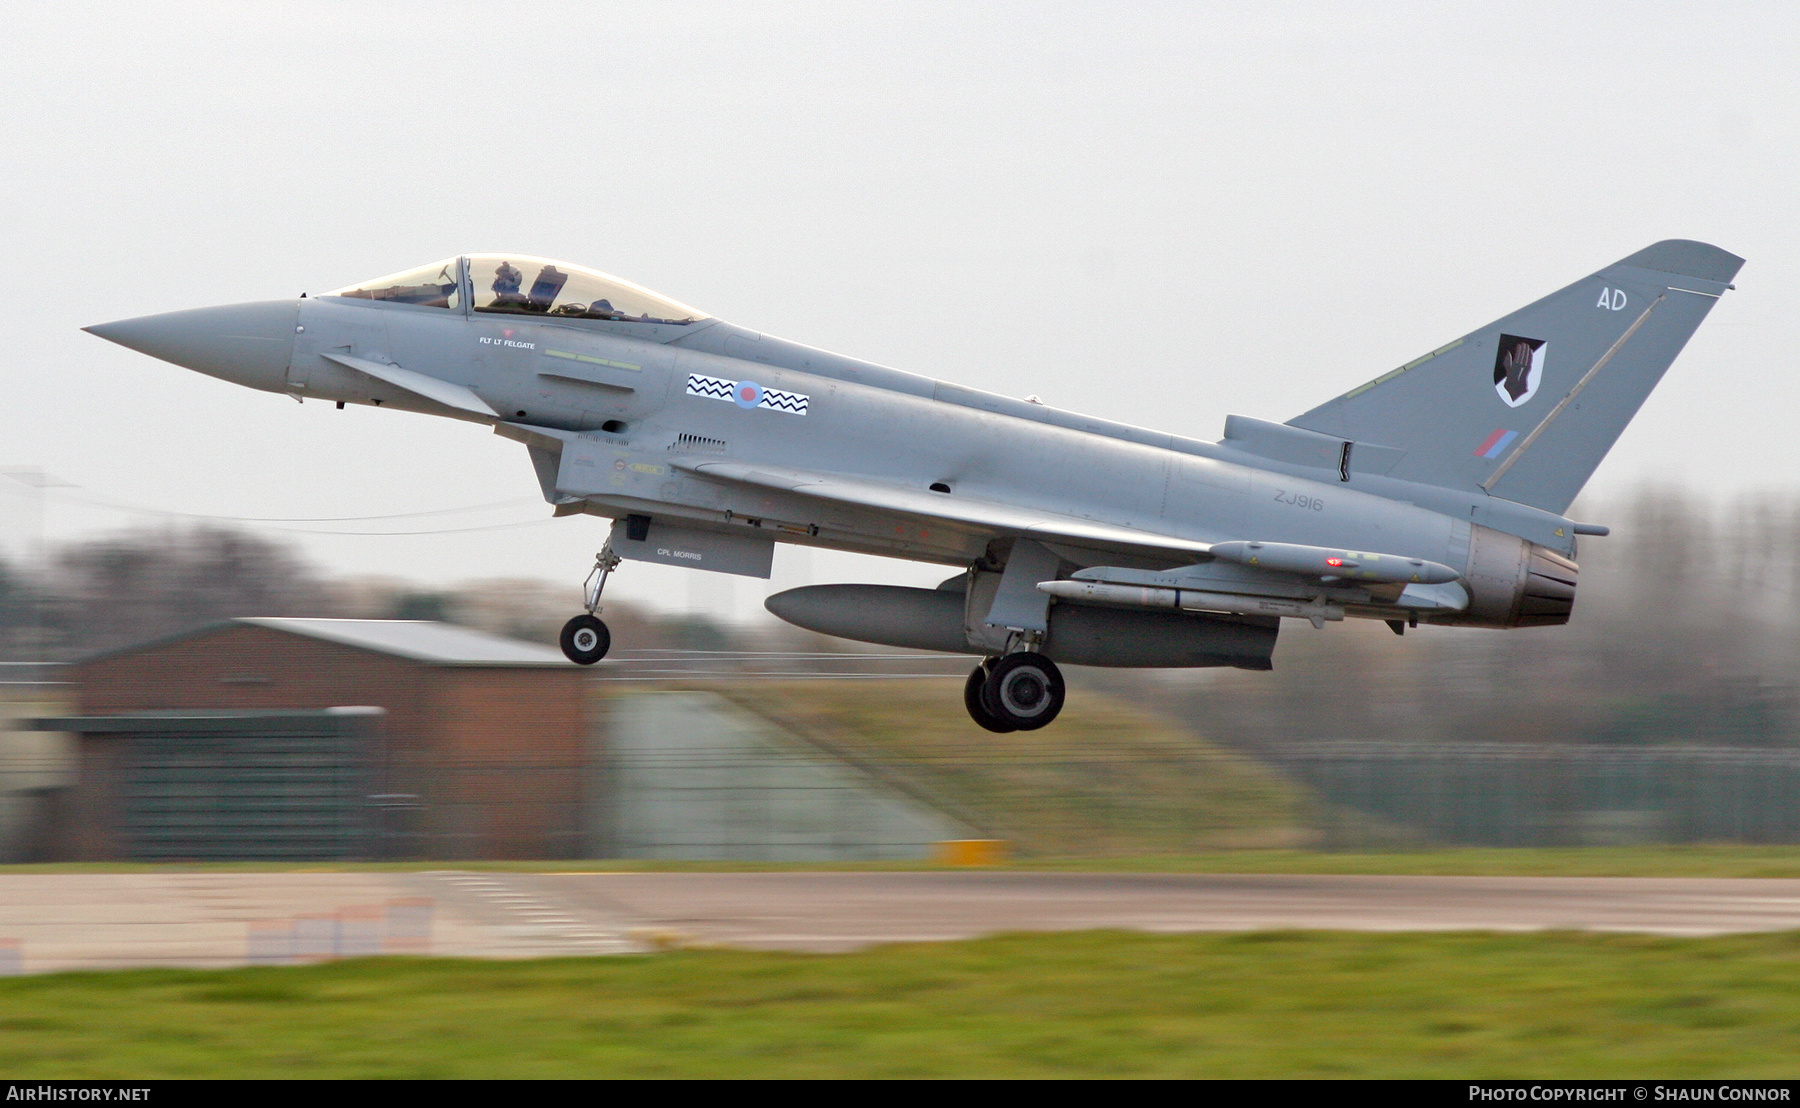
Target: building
{"x":480,"y":749}
{"x":35,"y":766}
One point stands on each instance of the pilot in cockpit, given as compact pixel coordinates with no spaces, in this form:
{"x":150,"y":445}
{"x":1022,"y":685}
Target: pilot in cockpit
{"x":507,"y":280}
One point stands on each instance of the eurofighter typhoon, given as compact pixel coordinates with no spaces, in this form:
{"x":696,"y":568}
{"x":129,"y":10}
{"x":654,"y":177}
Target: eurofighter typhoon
{"x":1434,"y":493}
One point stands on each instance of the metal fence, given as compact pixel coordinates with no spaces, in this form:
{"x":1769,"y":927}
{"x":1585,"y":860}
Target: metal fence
{"x":693,"y":800}
{"x":687,"y":775}
{"x":1491,"y":794}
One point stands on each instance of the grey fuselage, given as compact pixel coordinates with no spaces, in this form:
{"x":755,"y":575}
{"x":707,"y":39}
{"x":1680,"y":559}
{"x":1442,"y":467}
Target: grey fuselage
{"x":1432,"y":493}
{"x":616,"y":393}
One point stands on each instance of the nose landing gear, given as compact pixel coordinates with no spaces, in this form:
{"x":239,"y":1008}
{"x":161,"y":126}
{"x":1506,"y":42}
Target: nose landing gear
{"x":585,"y":639}
{"x":1015,"y":692}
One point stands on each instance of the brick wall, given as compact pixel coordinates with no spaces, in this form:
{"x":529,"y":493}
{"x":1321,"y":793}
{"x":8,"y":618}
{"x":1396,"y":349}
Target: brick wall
{"x":245,"y":666}
{"x":511,"y":747}
{"x":498,"y":754}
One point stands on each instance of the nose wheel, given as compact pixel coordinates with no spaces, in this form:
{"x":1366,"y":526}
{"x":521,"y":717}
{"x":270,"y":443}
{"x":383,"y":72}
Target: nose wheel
{"x":1016,"y":692}
{"x":585,"y":639}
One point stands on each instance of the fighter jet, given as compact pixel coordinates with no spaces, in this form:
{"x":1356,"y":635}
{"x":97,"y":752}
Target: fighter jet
{"x":1435,"y":493}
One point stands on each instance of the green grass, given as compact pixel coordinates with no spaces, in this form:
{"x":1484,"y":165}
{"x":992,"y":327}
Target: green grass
{"x":1093,"y":1004}
{"x":1585,"y":861}
{"x":1108,"y":779}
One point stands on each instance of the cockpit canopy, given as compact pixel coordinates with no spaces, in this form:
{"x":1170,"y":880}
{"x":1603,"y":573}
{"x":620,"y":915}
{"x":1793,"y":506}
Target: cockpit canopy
{"x":438,"y":285}
{"x":539,"y":286}
{"x":520,"y":284}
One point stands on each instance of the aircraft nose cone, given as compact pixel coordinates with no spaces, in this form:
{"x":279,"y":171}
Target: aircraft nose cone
{"x":250,"y":344}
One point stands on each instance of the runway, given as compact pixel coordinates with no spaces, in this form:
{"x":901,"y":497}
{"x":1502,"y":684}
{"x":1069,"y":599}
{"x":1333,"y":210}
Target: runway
{"x":54,"y":922}
{"x":841,"y":911}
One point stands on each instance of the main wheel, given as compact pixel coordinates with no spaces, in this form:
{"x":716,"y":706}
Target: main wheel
{"x":972,"y":701}
{"x":1024,"y":690}
{"x":585,"y":640}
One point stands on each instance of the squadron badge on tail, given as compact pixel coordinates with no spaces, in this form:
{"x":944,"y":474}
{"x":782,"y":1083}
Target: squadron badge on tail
{"x":1518,"y":367}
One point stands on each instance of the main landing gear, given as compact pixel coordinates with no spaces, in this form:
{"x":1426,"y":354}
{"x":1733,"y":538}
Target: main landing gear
{"x":1014,"y":692}
{"x":585,"y":639}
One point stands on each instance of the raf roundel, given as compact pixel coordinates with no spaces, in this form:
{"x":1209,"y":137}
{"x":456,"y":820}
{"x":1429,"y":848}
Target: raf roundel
{"x":747,"y":395}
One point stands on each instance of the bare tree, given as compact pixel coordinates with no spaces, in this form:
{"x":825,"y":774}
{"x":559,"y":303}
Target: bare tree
{"x":1684,"y":631}
{"x":146,"y":584}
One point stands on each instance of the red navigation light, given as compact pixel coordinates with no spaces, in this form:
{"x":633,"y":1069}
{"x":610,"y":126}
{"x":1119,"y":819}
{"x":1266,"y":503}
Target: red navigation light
{"x":1334,"y":561}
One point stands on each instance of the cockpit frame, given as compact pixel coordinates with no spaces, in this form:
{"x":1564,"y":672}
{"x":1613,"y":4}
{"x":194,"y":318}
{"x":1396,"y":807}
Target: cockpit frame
{"x":522,"y":285}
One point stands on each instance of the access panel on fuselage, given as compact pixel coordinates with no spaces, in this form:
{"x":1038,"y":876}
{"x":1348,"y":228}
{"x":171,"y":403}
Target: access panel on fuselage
{"x":559,"y":376}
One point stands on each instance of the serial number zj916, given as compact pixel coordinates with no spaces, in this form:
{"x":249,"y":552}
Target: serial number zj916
{"x":1300,"y":500}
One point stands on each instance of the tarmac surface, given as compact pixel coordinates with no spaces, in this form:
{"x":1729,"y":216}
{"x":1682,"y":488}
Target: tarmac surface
{"x":52,"y":922}
{"x":843,"y":911}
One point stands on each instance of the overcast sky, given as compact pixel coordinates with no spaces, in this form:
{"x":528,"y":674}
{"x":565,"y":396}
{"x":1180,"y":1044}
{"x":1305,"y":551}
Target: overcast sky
{"x":1158,"y":213}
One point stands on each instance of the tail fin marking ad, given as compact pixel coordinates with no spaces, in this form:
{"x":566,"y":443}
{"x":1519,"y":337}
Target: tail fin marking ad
{"x":1567,"y":373}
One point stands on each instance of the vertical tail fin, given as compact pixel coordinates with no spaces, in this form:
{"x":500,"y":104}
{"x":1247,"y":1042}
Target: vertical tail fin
{"x":1526,"y":407}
